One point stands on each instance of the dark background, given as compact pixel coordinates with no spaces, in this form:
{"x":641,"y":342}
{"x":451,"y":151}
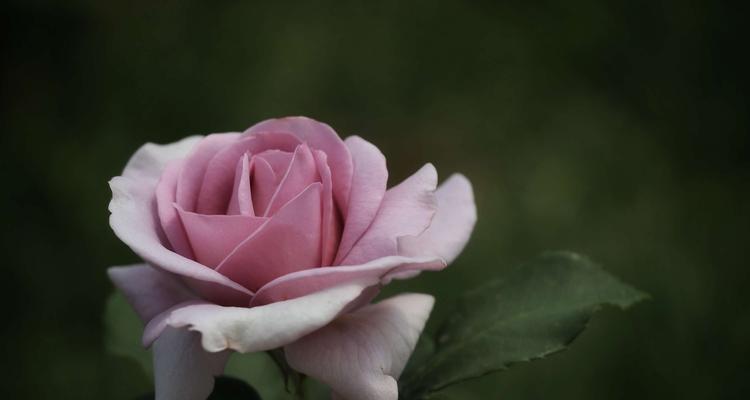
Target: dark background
{"x":617,"y":129}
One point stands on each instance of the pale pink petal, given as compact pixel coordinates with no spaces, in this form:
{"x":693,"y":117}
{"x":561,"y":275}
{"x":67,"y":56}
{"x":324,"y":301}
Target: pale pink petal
{"x":407,"y":209}
{"x":241,"y":201}
{"x":301,"y":172}
{"x":258,"y":328}
{"x":361,"y":355}
{"x":171,"y":224}
{"x":183,"y":370}
{"x":452,"y":225}
{"x":149,"y":291}
{"x":134,"y":220}
{"x":213,"y":237}
{"x":150,"y":159}
{"x":369,"y":181}
{"x":380,"y":272}
{"x":216,"y":188}
{"x":321,"y":137}
{"x":191,"y":175}
{"x":331,"y":224}
{"x":293,"y":235}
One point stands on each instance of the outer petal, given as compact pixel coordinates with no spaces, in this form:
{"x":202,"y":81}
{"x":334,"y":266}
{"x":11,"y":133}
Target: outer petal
{"x":183,"y":370}
{"x":258,"y":328}
{"x":379,"y":272}
{"x":134,"y":221}
{"x":149,"y":291}
{"x":452,"y":225}
{"x":322,"y":137}
{"x":407,"y":209}
{"x":149,"y":161}
{"x":361,"y":355}
{"x":369,"y":181}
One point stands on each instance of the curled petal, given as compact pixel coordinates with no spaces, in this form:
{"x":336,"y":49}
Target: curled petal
{"x":258,"y":328}
{"x":379,"y":272}
{"x":452,"y":225}
{"x":362,"y":354}
{"x":241,"y":201}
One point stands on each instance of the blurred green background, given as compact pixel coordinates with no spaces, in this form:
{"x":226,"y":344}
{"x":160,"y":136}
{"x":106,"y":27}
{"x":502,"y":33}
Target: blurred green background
{"x":617,"y":129}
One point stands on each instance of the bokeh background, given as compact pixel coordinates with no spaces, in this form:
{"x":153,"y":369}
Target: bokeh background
{"x":616,"y":129}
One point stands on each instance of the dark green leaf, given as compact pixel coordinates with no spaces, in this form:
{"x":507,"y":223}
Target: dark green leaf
{"x":537,"y":310}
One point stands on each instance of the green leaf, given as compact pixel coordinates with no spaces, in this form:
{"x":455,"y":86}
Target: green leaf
{"x":537,"y":310}
{"x":123,"y":332}
{"x":260,"y":370}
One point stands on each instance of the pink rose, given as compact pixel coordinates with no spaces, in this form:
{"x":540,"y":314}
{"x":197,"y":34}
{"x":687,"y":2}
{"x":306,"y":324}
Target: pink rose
{"x":280,"y":236}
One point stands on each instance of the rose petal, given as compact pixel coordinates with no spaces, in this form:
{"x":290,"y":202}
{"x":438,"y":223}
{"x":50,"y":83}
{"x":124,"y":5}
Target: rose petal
{"x":380,"y":271}
{"x":369,"y":180}
{"x":171,"y":224}
{"x":150,"y":159}
{"x":265,"y":183}
{"x":183,"y":370}
{"x":241,"y":201}
{"x":361,"y":355}
{"x":407,"y":209}
{"x":288,"y":242}
{"x":213,"y":237}
{"x":331,"y":226}
{"x":191,"y":176}
{"x":258,"y":328}
{"x":133,"y":219}
{"x":452,"y":225}
{"x":322,"y":137}
{"x":216,"y":187}
{"x":148,"y":290}
{"x":301,"y":172}
{"x":278,"y":160}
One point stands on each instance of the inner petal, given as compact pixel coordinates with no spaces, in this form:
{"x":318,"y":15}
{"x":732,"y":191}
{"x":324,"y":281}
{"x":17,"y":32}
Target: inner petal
{"x":242,"y":201}
{"x":302,"y":172}
{"x":331,"y":229}
{"x":213,"y":237}
{"x":278,"y":160}
{"x":288,"y":242}
{"x":264,"y":183}
{"x":216,"y":187}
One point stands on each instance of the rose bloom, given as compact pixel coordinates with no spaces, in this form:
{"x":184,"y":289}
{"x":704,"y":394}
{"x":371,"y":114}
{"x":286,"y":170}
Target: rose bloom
{"x":281,"y":236}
